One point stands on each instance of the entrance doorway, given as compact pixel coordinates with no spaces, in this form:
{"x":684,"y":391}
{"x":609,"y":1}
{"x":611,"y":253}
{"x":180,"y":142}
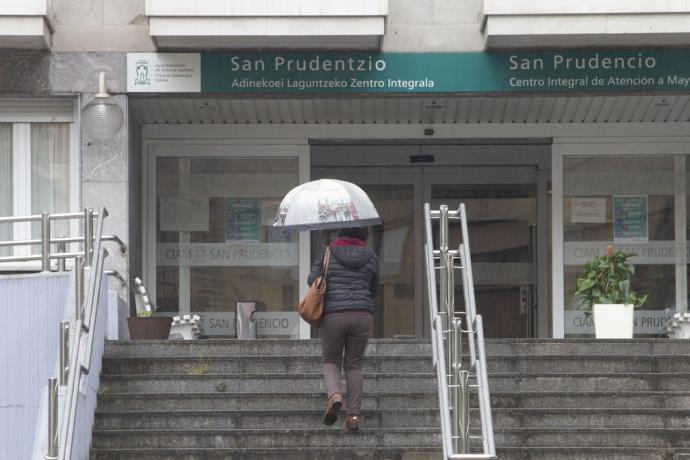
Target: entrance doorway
{"x":508,"y":230}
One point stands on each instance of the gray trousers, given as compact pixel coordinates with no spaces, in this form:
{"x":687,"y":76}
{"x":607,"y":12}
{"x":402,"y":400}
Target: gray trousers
{"x":347,"y":332}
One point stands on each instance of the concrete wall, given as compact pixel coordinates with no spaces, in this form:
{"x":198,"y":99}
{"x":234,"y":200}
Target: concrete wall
{"x":100,"y":25}
{"x":31,"y":307}
{"x":121,"y":25}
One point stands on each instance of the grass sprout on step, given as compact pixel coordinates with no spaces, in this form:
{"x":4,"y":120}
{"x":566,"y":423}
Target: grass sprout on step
{"x":199,"y":368}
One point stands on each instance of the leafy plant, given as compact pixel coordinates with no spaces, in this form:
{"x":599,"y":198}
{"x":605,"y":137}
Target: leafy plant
{"x":607,"y":281}
{"x":145,"y":314}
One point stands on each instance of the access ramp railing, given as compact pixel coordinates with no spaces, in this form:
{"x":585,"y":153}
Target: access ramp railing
{"x":458,"y":377}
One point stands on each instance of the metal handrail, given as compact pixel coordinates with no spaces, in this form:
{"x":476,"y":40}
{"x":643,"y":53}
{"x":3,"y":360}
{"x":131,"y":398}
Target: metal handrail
{"x":446,"y":335}
{"x":80,"y":356}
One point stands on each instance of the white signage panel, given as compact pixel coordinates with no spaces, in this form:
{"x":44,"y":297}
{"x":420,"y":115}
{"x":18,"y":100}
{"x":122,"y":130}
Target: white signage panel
{"x":645,"y":322}
{"x":651,"y":253}
{"x":212,"y":322}
{"x":276,"y":323}
{"x":163,"y":72}
{"x":184,"y":214}
{"x":227,"y":255}
{"x":588,"y":210}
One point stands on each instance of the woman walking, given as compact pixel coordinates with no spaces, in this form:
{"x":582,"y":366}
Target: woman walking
{"x":352,"y":280}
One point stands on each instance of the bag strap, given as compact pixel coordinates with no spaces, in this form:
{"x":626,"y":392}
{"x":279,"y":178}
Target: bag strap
{"x":326,"y":260}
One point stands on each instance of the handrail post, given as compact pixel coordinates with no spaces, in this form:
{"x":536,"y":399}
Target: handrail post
{"x":64,"y":352}
{"x":463,"y":418}
{"x":79,"y":285}
{"x":61,"y":261}
{"x":88,"y":236}
{"x":52,"y":419}
{"x":45,"y":242}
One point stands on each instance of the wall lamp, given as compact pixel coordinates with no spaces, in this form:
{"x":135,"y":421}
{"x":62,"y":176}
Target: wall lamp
{"x":102,"y":116}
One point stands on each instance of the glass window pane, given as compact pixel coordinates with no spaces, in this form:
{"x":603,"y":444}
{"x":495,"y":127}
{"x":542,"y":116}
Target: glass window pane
{"x":6,"y":192}
{"x":595,"y":186}
{"x":50,"y":175}
{"x":393,"y":242}
{"x":215,"y":240}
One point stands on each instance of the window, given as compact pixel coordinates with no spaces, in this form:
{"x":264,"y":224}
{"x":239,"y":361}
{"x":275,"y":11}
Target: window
{"x":35,"y":177}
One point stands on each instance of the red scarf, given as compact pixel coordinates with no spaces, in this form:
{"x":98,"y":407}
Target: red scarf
{"x":348,"y":241}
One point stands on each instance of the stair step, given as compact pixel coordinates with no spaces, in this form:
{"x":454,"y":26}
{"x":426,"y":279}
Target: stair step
{"x":264,"y":419}
{"x":302,"y":453}
{"x":397,"y":400}
{"x":276,"y":437}
{"x":593,"y":437}
{"x":256,"y":364}
{"x":256,"y":401}
{"x":231,"y":383}
{"x":392,"y":347}
{"x":390,"y":418}
{"x":224,"y":348}
{"x":591,"y":453}
{"x":377,"y":363}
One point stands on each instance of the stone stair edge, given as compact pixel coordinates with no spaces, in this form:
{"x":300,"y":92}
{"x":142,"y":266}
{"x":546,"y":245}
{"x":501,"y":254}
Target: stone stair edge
{"x":399,"y":393}
{"x":547,"y":357}
{"x":241,"y":431}
{"x":372,"y":375}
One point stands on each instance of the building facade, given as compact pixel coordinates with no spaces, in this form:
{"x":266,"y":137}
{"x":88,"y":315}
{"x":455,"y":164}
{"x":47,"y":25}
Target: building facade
{"x":563,"y":127}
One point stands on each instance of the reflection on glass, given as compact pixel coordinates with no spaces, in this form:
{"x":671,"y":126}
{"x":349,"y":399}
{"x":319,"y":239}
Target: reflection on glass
{"x":6,"y":192}
{"x":216,"y":244}
{"x":393,"y":242}
{"x":641,"y":188}
{"x":50,"y":175}
{"x":502,"y":233}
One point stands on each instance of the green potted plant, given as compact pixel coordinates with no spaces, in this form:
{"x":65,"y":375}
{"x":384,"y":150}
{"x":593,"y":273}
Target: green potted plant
{"x":604,"y":290}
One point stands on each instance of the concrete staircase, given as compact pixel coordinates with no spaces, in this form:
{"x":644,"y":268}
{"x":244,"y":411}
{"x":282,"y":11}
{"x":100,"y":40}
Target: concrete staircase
{"x":575,"y":399}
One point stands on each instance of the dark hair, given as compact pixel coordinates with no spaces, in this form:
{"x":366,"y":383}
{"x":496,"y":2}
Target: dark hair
{"x":361,"y":233}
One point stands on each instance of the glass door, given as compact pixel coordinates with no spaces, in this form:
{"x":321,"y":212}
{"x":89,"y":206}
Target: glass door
{"x":396,"y":193}
{"x":502,"y":206}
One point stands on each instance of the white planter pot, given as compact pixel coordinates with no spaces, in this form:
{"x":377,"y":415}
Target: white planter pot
{"x":613,"y":321}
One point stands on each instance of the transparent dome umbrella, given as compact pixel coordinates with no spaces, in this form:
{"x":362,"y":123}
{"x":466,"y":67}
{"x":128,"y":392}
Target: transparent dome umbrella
{"x":324,"y":204}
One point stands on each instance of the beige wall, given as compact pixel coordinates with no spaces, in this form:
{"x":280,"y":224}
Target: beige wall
{"x":100,"y":25}
{"x":411,"y":26}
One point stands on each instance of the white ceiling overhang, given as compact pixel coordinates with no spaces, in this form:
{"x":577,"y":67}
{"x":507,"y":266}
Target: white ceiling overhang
{"x":288,"y":24}
{"x":413,"y":110}
{"x":24,"y":24}
{"x":585,"y":23}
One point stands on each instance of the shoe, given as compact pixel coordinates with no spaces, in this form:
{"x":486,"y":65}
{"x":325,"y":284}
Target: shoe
{"x":352,"y":423}
{"x":333,"y":405}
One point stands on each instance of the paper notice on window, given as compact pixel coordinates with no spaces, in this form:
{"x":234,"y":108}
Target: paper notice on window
{"x":630,"y":219}
{"x":184,"y":214}
{"x":588,"y":210}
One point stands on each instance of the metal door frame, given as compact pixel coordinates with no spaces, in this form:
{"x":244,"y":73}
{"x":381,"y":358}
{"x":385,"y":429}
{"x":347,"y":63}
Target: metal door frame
{"x":405,"y":175}
{"x":478,"y":175}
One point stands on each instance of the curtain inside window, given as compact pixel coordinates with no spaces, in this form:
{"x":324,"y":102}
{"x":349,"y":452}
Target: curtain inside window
{"x":50,"y":174}
{"x":5,"y":182}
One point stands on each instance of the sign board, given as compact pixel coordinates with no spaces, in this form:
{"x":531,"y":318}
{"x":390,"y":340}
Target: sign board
{"x":242,"y":220}
{"x":558,"y":71}
{"x":630,"y":219}
{"x":184,"y":214}
{"x":227,"y":255}
{"x":588,"y":210}
{"x":650,"y":253}
{"x":163,"y":72}
{"x":267,"y":323}
{"x":276,"y":324}
{"x":645,"y":322}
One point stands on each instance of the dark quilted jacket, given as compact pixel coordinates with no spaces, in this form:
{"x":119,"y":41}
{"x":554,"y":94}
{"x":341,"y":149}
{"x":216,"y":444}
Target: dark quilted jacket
{"x":353,"y":277}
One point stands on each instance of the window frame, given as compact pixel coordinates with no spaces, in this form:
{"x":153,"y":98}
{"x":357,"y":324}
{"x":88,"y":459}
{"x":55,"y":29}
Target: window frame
{"x":21,"y":114}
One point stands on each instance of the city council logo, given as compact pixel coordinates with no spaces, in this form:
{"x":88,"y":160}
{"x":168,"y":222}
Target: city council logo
{"x":142,"y":70}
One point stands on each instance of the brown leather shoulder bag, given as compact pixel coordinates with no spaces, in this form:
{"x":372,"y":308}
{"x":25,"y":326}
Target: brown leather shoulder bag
{"x":311,"y":306}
